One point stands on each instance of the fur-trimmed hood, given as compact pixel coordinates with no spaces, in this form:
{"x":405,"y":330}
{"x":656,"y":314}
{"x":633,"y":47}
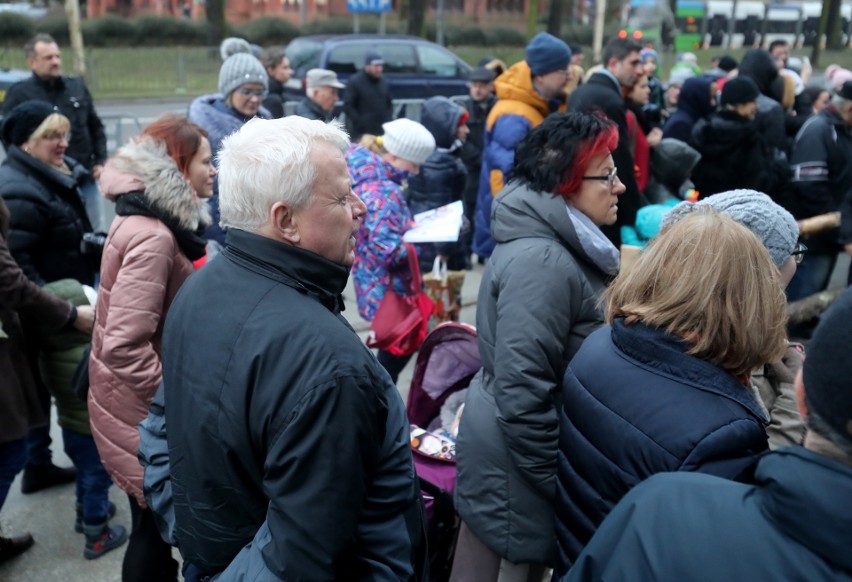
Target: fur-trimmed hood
{"x":145,"y":165}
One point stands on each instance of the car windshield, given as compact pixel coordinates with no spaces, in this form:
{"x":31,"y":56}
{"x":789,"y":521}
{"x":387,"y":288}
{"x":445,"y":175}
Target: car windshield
{"x":304,"y":54}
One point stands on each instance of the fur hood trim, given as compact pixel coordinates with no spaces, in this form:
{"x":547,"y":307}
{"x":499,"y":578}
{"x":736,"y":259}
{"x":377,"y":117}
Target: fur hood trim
{"x":145,"y":162}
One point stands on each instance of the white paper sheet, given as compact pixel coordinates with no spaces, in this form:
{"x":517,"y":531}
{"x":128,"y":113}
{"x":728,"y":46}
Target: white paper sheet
{"x":439,"y":225}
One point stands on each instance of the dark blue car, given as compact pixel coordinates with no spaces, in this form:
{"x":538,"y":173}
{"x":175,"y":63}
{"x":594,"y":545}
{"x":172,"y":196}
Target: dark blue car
{"x":414,"y":68}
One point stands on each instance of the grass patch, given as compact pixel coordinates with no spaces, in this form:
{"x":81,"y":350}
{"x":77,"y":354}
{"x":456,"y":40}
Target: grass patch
{"x":115,"y":73}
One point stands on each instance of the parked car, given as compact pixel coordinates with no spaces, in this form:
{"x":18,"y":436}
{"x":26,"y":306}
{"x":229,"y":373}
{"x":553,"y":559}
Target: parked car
{"x":414,"y":68}
{"x":9,"y":77}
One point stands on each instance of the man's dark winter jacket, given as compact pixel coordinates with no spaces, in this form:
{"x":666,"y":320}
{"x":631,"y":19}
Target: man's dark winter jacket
{"x":48,"y":219}
{"x":367,"y":104}
{"x":734,"y":155}
{"x":288,"y":443}
{"x":795,"y":523}
{"x":822,"y":175}
{"x":309,"y":109}
{"x":441,"y":179}
{"x":656,"y":409}
{"x":69,"y":95}
{"x":603,"y":93}
{"x":758,"y":65}
{"x":275,"y":100}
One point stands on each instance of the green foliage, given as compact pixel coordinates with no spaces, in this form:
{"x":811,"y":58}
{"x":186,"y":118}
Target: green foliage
{"x":57,"y":27}
{"x":504,"y":36}
{"x":267,"y":31}
{"x":154,"y":30}
{"x":15,"y":29}
{"x":109,"y":31}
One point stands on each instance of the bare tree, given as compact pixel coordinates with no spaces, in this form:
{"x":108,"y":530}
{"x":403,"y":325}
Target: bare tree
{"x":215,"y":14}
{"x":416,"y":17}
{"x":554,"y":18}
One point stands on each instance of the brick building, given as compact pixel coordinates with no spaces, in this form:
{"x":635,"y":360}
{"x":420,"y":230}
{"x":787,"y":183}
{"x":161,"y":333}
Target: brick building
{"x":242,"y":10}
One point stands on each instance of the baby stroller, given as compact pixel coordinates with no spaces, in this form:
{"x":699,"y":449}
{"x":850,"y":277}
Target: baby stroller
{"x":446,"y":363}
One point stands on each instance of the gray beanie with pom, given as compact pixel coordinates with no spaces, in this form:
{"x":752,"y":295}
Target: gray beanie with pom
{"x":775,"y":227}
{"x":233,"y":45}
{"x":241,"y":69}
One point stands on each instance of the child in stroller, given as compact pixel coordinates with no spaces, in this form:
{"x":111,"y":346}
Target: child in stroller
{"x":446,"y":363}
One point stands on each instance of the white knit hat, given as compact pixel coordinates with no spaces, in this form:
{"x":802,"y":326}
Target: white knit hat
{"x":241,"y":69}
{"x":408,"y":140}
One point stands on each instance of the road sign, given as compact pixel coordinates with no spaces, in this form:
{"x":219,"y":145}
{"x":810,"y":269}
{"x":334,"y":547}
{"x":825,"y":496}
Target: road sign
{"x":368,"y":5}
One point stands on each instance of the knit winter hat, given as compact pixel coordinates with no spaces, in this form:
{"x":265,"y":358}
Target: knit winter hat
{"x":845,"y":90}
{"x":774,"y":226}
{"x":728,"y":63}
{"x":233,"y":45}
{"x":408,"y":140}
{"x":373,"y":57}
{"x":546,"y":53}
{"x":679,"y":76}
{"x":241,"y":69}
{"x":648,"y":52}
{"x":828,"y":368}
{"x":20,"y":123}
{"x":738,"y":91}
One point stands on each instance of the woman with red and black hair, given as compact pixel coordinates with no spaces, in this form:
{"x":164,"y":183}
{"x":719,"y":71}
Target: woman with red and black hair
{"x":160,"y":184}
{"x":537,"y":302}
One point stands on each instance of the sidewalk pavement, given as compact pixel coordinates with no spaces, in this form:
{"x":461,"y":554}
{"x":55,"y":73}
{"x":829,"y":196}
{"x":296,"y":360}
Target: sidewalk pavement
{"x":57,"y":555}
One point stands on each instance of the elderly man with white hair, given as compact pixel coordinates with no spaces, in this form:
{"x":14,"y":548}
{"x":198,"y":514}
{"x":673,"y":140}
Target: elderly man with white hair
{"x":289,"y":444}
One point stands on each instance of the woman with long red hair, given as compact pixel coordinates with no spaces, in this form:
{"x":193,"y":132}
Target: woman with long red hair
{"x":160,"y":184}
{"x":537,"y":303}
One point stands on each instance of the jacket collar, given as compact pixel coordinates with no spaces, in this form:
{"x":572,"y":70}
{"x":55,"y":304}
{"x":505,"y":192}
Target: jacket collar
{"x":39,"y":168}
{"x":807,"y":495}
{"x":666,"y":353}
{"x":302,"y":270}
{"x":56,"y":84}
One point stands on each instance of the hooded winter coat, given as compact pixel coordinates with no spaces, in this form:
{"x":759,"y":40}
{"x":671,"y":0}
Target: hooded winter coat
{"x":672,"y":162}
{"x":48,"y":219}
{"x":694,"y":103}
{"x":734,"y":155}
{"x":212,"y":114}
{"x":519,"y":109}
{"x":794,"y":523}
{"x":759,"y":66}
{"x":142,"y":269}
{"x":537,"y":303}
{"x":379,"y":250}
{"x":442,"y":178}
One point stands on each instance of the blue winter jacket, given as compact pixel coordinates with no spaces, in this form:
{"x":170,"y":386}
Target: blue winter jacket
{"x":693,"y":103}
{"x":795,"y":523}
{"x":635,"y":404}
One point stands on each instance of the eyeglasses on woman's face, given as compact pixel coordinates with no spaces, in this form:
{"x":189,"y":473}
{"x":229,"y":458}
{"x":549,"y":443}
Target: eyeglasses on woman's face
{"x":798,"y":253}
{"x":252,"y":92}
{"x":608,"y":177}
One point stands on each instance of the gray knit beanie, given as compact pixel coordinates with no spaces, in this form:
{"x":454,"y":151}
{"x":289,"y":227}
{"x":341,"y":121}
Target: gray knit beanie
{"x":233,"y":45}
{"x":774,"y":226}
{"x":408,"y":140}
{"x":241,"y":69}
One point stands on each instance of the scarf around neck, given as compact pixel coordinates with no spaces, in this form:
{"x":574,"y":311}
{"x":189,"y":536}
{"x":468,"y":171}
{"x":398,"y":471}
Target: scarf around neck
{"x":137,"y":204}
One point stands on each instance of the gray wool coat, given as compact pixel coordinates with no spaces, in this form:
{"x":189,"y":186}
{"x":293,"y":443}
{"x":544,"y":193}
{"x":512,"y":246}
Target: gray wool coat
{"x":537,"y":303}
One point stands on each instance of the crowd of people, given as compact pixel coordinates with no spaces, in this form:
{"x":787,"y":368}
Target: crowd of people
{"x":198,"y":359}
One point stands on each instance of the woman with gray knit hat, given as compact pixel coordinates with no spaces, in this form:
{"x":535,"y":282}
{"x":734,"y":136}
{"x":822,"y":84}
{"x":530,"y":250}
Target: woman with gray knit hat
{"x":243,"y":84}
{"x":380,"y":167}
{"x":778,"y":231}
